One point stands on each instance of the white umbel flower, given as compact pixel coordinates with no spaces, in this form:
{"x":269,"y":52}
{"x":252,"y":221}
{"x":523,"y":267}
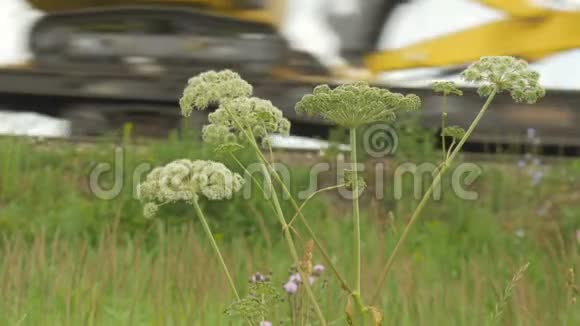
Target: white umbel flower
{"x":186,"y":180}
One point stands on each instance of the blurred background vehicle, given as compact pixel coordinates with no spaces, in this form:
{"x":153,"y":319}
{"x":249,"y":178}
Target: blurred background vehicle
{"x":100,"y":64}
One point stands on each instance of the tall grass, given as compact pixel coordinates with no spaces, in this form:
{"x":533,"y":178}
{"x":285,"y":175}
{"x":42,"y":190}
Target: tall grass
{"x":169,"y":277}
{"x":67,"y":258}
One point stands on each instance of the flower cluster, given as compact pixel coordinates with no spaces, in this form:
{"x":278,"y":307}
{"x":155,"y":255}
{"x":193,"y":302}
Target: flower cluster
{"x":447,"y":88}
{"x":506,"y":74}
{"x":357,"y":104}
{"x":294,"y":281}
{"x":349,"y":178}
{"x":259,"y":278}
{"x":235,"y":119}
{"x":212,"y":88}
{"x":184,"y":180}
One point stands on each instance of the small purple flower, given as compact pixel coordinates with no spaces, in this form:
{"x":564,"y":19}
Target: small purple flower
{"x":318,"y":269}
{"x":258,"y":278}
{"x":265,"y":323}
{"x":291,"y":287}
{"x":296,"y":278}
{"x":521,"y":164}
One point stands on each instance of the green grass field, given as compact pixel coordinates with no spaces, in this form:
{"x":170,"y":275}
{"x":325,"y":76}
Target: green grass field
{"x":68,"y":258}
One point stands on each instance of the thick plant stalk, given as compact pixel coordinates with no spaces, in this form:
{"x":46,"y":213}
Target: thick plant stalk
{"x":443,"y":125}
{"x":312,"y":235}
{"x":292,"y":247}
{"x":207,"y":230}
{"x":429,"y":193}
{"x":304,"y":221}
{"x":355,"y":213}
{"x":286,"y":229}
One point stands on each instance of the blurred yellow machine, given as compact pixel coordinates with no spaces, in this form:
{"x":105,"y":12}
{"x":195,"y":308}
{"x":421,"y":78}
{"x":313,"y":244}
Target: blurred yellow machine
{"x":101,"y":63}
{"x":534,"y":31}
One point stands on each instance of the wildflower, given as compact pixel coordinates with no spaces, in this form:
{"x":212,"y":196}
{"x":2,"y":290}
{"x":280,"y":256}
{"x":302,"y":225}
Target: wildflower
{"x":238,"y":114}
{"x":236,"y":119}
{"x":185,"y":180}
{"x":265,"y":323}
{"x":212,"y":88}
{"x":296,"y":278}
{"x":521,"y":164}
{"x":259,"y":278}
{"x":357,"y":104}
{"x":318,"y":269}
{"x":447,"y":88}
{"x":290,"y":287}
{"x":520,"y":233}
{"x":505,"y":74}
{"x":536,"y":162}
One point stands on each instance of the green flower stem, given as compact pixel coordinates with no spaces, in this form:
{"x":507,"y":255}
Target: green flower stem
{"x":246,"y":172}
{"x":304,"y":221}
{"x":450,"y":150}
{"x":286,"y":229}
{"x":443,"y":126}
{"x":312,"y":195}
{"x":355,"y":213}
{"x":207,"y":230}
{"x":473,"y":125}
{"x":312,"y":235}
{"x":291,"y":245}
{"x":429,"y":192}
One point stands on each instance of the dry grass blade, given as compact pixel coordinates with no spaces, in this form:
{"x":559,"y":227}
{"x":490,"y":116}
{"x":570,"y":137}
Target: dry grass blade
{"x":506,"y":295}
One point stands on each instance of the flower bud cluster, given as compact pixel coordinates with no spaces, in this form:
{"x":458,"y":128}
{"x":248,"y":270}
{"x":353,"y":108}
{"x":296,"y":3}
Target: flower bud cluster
{"x":236,"y":118}
{"x":505,"y":74}
{"x":238,"y":114}
{"x":259,"y":278}
{"x":447,"y":88}
{"x":357,"y":104}
{"x":212,"y":88}
{"x":295,"y":280}
{"x":185,"y":180}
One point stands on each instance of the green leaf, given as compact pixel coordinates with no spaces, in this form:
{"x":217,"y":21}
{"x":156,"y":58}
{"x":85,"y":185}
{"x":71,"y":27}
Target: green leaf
{"x":453,"y":131}
{"x":228,"y":148}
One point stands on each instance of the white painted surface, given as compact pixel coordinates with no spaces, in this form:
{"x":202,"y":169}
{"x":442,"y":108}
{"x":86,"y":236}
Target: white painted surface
{"x":303,"y":143}
{"x":307,"y":28}
{"x":32,"y":124}
{"x":16,"y":18}
{"x":421,"y":20}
